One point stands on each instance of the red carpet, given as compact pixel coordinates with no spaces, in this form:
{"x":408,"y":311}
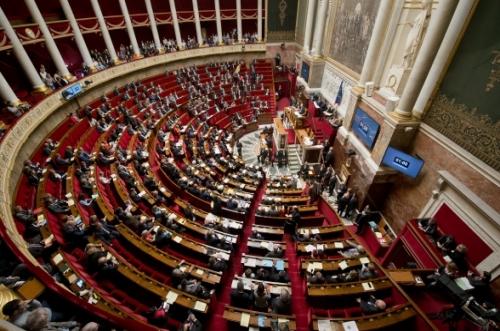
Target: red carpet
{"x":282,"y":103}
{"x":300,"y":306}
{"x":216,"y":321}
{"x":291,"y":136}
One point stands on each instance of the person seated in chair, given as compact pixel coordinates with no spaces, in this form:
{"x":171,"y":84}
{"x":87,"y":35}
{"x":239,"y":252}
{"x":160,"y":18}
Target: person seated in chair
{"x":428,"y":226}
{"x":446,"y":243}
{"x":240,"y":298}
{"x":371,"y":305}
{"x":56,"y":205}
{"x":282,"y":304}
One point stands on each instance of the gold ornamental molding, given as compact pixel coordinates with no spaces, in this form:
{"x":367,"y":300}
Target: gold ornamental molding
{"x":476,"y":133}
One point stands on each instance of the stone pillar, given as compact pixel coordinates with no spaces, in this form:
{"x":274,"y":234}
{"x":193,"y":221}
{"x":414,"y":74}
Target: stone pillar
{"x":354,"y":97}
{"x":430,"y":45}
{"x":7,"y":93}
{"x":309,"y":25}
{"x":21,"y":55}
{"x":218,"y":21}
{"x":80,"y":42}
{"x":453,"y":34}
{"x":175,"y":23}
{"x":154,"y":28}
{"x":239,"y":28}
{"x":197,"y":23}
{"x":130,"y":30}
{"x":104,"y":31}
{"x":377,"y":38}
{"x":320,"y":27}
{"x":49,"y":41}
{"x":259,"y":20}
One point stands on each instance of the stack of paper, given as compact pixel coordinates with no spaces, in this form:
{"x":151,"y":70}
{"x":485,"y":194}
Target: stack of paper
{"x":309,"y":248}
{"x":171,"y":297}
{"x":343,"y":265}
{"x":364,"y":260}
{"x":250,"y":262}
{"x":350,"y":326}
{"x":200,"y":306}
{"x":368,"y":286}
{"x":324,"y":325}
{"x":338,"y":245}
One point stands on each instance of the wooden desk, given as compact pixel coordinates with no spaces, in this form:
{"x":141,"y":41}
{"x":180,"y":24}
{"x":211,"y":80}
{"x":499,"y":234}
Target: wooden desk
{"x":410,"y":277}
{"x":273,"y":287}
{"x":254,"y":261}
{"x":205,"y":275}
{"x":331,"y":265}
{"x":331,"y":245}
{"x":280,"y":134}
{"x":296,"y":120}
{"x":269,"y":231}
{"x":264,"y":246}
{"x":380,"y":321}
{"x":348,"y":289}
{"x":233,"y":314}
{"x":324,"y":231}
{"x":31,"y":289}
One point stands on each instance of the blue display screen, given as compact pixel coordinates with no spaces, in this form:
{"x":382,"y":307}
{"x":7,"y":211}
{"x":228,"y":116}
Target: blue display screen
{"x":402,"y":162}
{"x":365,"y":128}
{"x":305,"y":71}
{"x":72,"y":91}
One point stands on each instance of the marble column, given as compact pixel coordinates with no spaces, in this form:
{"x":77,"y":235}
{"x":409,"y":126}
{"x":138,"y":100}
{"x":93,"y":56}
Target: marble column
{"x":309,"y":25}
{"x":259,"y":20}
{"x":238,"y":21}
{"x":49,"y":41}
{"x":430,"y":45}
{"x":218,"y":21}
{"x":21,"y":55}
{"x":197,"y":23}
{"x":154,"y":28}
{"x":80,"y":42}
{"x":320,"y":27}
{"x":175,"y":23}
{"x":130,"y":30}
{"x":452,"y":36}
{"x":104,"y":31}
{"x":376,"y":40}
{"x":7,"y":93}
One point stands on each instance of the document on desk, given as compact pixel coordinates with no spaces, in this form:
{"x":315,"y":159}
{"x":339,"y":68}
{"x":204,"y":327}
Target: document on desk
{"x":364,"y":260}
{"x":338,"y":245}
{"x":315,"y":231}
{"x":350,"y":326}
{"x":251,"y":262}
{"x":261,"y":321}
{"x":343,"y":265}
{"x":368,"y":286}
{"x":171,"y":297}
{"x":324,"y":325}
{"x":245,"y":320}
{"x":464,"y":283}
{"x":177,"y":239}
{"x":200,"y":306}
{"x":280,"y":265}
{"x":309,"y":248}
{"x":267,"y":263}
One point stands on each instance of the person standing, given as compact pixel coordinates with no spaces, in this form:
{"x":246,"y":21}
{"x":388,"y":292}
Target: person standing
{"x":239,"y":146}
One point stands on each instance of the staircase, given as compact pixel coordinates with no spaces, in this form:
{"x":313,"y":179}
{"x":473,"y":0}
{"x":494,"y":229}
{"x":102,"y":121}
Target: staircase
{"x":293,"y":159}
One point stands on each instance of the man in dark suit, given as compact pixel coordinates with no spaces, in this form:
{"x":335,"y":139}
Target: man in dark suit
{"x":240,"y":298}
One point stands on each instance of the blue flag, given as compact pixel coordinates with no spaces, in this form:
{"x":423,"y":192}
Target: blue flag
{"x":340,"y":93}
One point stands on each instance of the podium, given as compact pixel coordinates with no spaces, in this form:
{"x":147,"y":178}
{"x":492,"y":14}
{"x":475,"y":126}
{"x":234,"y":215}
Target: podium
{"x":294,"y":118}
